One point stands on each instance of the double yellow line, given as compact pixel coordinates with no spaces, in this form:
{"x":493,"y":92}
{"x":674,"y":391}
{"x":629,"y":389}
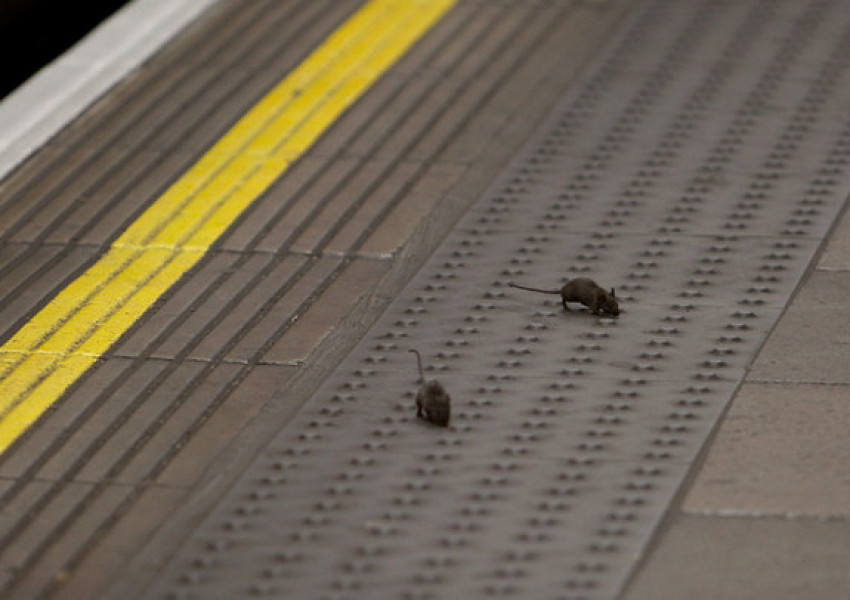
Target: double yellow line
{"x":68,"y":336}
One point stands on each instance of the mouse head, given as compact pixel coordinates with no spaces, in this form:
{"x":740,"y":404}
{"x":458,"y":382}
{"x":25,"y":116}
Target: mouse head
{"x":609,"y":304}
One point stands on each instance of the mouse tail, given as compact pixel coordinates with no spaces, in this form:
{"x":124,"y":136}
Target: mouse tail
{"x":419,"y":363}
{"x":532,"y":289}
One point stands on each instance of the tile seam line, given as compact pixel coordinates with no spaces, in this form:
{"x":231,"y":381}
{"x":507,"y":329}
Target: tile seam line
{"x":401,"y":39}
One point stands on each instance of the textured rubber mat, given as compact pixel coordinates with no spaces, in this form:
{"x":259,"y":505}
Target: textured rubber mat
{"x":696,"y":168}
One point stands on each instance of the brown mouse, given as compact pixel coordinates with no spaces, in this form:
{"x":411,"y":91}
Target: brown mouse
{"x":432,"y":401}
{"x":584,"y":291}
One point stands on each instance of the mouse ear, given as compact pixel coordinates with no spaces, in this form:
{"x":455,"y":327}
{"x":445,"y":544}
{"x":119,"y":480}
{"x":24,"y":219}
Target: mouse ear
{"x":613,"y":295}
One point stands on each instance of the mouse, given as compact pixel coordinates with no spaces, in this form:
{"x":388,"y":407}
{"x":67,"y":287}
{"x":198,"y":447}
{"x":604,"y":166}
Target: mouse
{"x":433,"y":403}
{"x":584,"y":291}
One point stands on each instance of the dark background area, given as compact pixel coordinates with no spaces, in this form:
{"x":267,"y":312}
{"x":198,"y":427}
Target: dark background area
{"x":34,"y":32}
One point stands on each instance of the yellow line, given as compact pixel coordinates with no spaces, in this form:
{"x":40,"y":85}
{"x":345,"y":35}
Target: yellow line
{"x":68,"y":336}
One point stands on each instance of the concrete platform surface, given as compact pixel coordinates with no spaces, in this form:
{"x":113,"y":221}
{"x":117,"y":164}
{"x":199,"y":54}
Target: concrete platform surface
{"x":254,"y":434}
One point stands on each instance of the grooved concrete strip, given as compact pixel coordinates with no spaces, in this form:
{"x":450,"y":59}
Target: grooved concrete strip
{"x":697,"y":167}
{"x":105,"y":485}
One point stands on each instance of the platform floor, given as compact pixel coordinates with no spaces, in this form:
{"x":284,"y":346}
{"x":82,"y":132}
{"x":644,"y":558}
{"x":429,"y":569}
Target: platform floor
{"x":252,"y":434}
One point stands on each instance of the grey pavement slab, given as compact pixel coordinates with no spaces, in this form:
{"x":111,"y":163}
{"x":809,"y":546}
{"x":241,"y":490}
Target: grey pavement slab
{"x":704,"y":558}
{"x":780,"y":451}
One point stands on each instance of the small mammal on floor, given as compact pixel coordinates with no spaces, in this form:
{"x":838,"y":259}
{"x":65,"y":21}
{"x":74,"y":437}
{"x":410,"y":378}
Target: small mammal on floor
{"x":584,"y":291}
{"x":432,"y":401}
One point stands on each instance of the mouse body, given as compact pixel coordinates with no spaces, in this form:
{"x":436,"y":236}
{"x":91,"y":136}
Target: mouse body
{"x":433,"y":403}
{"x":583,"y":290}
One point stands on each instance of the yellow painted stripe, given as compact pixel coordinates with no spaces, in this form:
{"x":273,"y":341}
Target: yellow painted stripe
{"x":68,"y":336}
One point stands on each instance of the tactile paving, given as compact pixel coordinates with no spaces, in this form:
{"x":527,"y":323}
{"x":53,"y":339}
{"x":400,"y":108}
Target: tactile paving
{"x":696,"y":167}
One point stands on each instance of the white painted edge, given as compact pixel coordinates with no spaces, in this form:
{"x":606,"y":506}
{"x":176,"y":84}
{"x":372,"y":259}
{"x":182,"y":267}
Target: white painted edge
{"x":32,"y":114}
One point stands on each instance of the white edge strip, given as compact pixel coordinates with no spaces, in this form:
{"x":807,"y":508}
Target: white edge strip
{"x":53,"y":97}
